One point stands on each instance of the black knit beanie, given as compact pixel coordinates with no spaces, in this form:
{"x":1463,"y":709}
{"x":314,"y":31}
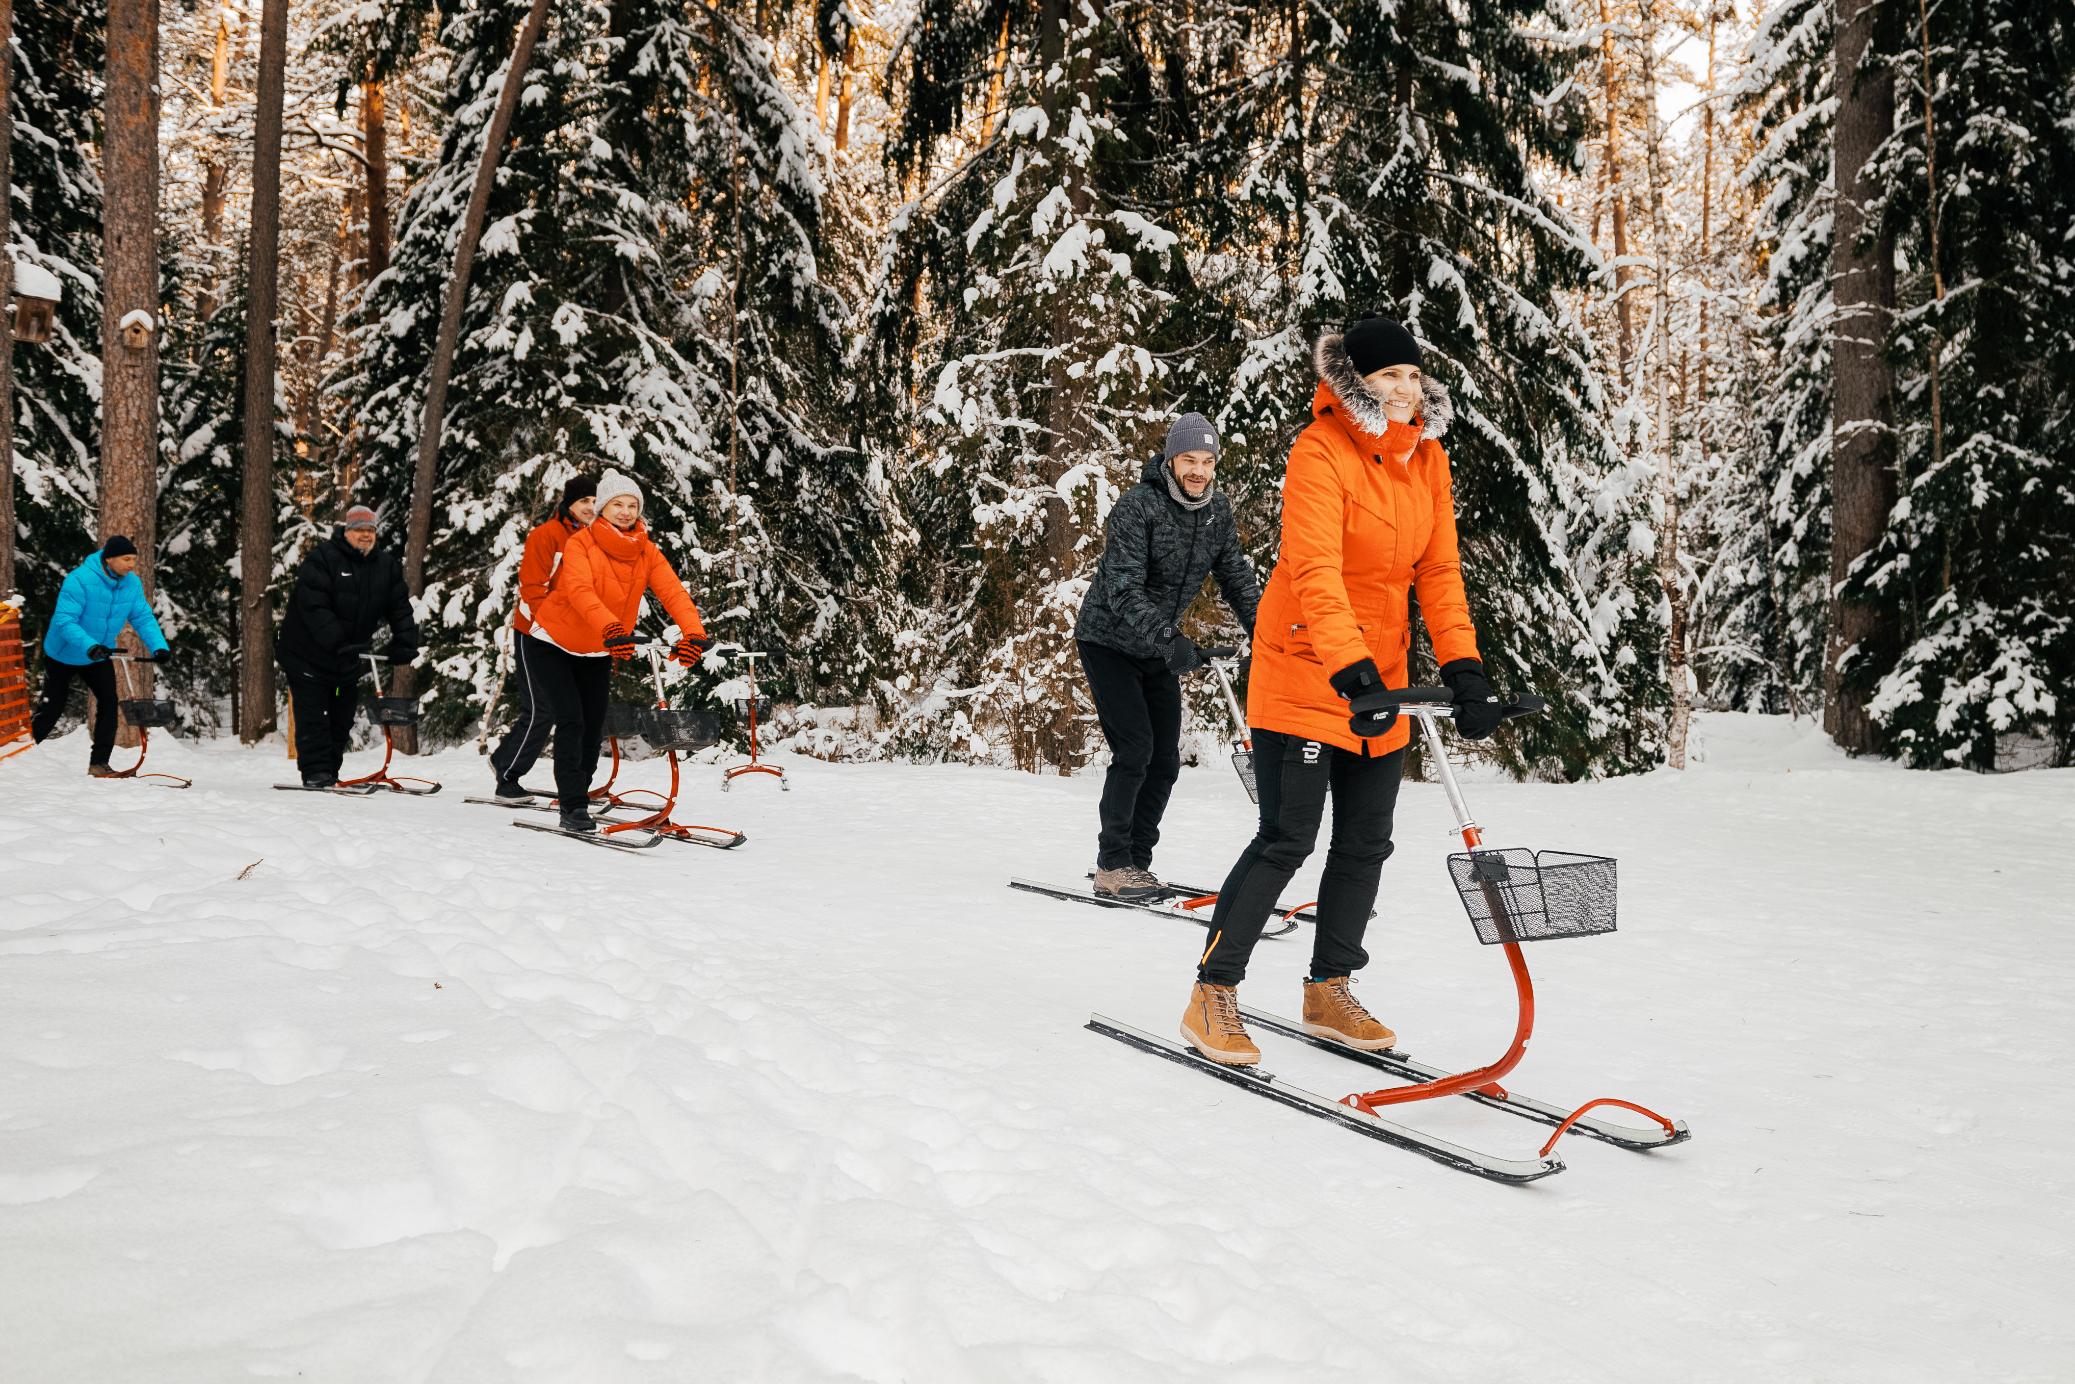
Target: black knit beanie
{"x":574,"y":489}
{"x":1376,"y":342}
{"x":118,"y":546}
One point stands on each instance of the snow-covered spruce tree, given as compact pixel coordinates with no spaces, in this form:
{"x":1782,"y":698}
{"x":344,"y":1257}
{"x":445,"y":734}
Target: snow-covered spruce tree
{"x":55,"y":220}
{"x":1397,"y":164}
{"x":1786,"y":88}
{"x":1981,"y":188}
{"x":621,"y":308}
{"x":1030,"y":289}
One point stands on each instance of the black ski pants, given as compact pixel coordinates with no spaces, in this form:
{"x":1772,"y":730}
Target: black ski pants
{"x":324,"y":704}
{"x":1139,"y":703}
{"x":572,"y":691}
{"x":57,"y":687}
{"x":517,"y":753}
{"x":1296,"y":777}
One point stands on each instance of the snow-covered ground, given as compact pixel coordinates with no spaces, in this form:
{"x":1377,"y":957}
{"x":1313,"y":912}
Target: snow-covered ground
{"x":371,"y":1090}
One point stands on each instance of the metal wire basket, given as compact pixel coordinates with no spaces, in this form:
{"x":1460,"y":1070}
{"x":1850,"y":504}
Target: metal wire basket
{"x":1518,"y":895}
{"x":391,"y":711}
{"x":1243,"y":762}
{"x":662,"y":728}
{"x":146,"y":713}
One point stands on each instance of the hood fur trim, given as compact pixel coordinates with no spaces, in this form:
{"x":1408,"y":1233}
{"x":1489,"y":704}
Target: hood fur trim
{"x":1336,"y":369}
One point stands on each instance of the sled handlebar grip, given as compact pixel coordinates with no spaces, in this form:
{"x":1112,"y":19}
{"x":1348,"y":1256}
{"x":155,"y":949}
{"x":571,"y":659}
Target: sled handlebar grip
{"x":1217,"y":651}
{"x":1437,"y":701}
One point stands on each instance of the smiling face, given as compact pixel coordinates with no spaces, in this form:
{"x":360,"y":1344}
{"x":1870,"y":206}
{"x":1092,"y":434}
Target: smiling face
{"x":1195,"y":471}
{"x":1398,"y":387}
{"x":363,"y":540}
{"x":584,"y":510}
{"x":622,"y":512}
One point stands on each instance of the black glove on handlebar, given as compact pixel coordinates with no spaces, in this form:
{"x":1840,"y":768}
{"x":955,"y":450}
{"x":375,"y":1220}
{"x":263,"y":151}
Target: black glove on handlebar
{"x":1356,"y":678}
{"x":1478,"y":710}
{"x":97,"y":653}
{"x":1371,"y":717}
{"x":1183,"y":655}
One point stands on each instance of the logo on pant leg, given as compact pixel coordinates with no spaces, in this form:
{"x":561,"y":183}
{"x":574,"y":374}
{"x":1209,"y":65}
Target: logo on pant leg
{"x":1311,"y":751}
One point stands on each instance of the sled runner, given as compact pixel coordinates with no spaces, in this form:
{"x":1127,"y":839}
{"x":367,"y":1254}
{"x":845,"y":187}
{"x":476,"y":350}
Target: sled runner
{"x":1511,"y":896}
{"x":1178,"y":901}
{"x":144,"y":714}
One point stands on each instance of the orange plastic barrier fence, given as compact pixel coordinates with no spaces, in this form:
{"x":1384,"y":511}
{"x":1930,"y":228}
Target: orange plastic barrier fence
{"x":14,"y":684}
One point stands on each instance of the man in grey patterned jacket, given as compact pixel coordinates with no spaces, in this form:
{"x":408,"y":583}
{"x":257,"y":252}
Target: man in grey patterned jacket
{"x":1166,"y":534}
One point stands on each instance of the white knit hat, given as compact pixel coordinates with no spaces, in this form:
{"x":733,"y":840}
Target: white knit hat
{"x":613,"y":484}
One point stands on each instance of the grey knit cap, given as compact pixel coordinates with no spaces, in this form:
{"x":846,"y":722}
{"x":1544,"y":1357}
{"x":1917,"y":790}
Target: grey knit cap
{"x":1192,"y":432}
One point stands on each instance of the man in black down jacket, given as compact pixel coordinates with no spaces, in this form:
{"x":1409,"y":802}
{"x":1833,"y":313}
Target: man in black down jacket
{"x":1165,"y":535}
{"x":347,"y":587}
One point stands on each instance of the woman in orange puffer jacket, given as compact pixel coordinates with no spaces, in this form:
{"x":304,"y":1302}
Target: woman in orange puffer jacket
{"x":1368,"y":516}
{"x":583,"y":625}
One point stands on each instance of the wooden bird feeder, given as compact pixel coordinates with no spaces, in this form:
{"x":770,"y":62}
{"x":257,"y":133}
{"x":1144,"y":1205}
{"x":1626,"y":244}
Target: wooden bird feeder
{"x":36,"y":294}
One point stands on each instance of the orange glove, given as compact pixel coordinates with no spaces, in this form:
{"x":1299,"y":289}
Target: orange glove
{"x":691,"y":649}
{"x":618,"y":642}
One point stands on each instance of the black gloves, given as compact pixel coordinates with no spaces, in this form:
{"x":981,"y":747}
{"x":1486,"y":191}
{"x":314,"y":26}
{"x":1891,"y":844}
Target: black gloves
{"x":98,"y":653}
{"x":1478,"y":710}
{"x":1356,"y":678}
{"x":401,"y":653}
{"x":1183,"y":656}
{"x":159,"y":656}
{"x":355,"y":650}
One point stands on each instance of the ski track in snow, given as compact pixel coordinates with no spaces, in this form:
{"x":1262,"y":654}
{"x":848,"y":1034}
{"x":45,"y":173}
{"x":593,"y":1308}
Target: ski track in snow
{"x":425,"y":1098}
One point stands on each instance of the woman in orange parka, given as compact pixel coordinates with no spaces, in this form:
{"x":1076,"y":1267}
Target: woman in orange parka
{"x":516,"y":753}
{"x":1368,"y":515}
{"x":583,"y":626}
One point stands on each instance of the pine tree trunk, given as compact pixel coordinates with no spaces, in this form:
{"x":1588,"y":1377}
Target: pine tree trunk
{"x":1862,"y":447}
{"x":130,"y":289}
{"x":1678,"y":675}
{"x":845,"y":91}
{"x":435,"y":418}
{"x":1611,"y":174}
{"x":6,"y":299}
{"x":256,"y":520}
{"x":375,"y":137}
{"x":215,"y":175}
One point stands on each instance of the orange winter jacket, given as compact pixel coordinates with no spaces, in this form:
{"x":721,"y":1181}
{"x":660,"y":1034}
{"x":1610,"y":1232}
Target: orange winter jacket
{"x":1366,"y":516}
{"x":537,"y":566}
{"x":603,"y":576}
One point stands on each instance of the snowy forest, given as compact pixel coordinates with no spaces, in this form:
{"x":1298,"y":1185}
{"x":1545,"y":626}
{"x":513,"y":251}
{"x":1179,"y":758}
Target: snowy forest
{"x":1759,"y":319}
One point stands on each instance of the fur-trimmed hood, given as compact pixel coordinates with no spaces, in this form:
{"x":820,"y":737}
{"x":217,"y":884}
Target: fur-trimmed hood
{"x":1336,"y":370}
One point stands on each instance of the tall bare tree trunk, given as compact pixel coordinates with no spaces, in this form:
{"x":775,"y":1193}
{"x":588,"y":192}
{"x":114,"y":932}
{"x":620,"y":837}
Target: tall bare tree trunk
{"x":1678,"y":674}
{"x":1610,"y":90}
{"x":1862,"y":442}
{"x":6,"y":298}
{"x":374,"y":123}
{"x":845,"y":90}
{"x":996,"y":73}
{"x":426,"y":474}
{"x":215,"y":174}
{"x":256,"y":520}
{"x":130,"y":293}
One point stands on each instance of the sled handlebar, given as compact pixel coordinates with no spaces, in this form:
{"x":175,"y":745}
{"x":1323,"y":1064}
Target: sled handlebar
{"x":1438,"y":702}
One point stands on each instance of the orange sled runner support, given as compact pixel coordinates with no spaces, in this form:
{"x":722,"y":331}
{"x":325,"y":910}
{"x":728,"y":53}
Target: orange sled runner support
{"x":673,"y":730}
{"x":1512,"y":896}
{"x":142,"y":713}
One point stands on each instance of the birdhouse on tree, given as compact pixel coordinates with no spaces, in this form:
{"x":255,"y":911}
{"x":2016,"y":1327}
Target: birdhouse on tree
{"x":136,"y":328}
{"x":36,"y":294}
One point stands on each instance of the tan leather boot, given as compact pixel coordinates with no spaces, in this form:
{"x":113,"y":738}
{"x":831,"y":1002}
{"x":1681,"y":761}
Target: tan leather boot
{"x":1211,"y":1024}
{"x":1332,"y":1011}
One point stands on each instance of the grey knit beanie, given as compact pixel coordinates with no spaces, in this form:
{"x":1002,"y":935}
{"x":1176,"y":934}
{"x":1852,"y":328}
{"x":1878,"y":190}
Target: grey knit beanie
{"x":1192,"y":432}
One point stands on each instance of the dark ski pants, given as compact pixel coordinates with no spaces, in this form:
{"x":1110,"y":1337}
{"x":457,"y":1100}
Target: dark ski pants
{"x":572,"y":692}
{"x":57,"y":687}
{"x":324,"y":704}
{"x":517,"y":753}
{"x":1296,"y":777}
{"x":1139,"y":703}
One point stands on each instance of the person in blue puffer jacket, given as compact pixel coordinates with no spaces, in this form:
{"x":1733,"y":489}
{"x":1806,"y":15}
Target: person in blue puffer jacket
{"x":99,"y":597}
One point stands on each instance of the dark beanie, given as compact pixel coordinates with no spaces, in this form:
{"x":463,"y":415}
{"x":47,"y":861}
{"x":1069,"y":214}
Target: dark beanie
{"x":578,"y":488}
{"x":1376,"y":342}
{"x":118,"y":546}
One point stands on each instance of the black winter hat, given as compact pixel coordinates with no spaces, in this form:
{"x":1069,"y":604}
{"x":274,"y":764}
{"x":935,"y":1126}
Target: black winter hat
{"x":578,"y":488}
{"x":1376,"y":342}
{"x":118,"y":545}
